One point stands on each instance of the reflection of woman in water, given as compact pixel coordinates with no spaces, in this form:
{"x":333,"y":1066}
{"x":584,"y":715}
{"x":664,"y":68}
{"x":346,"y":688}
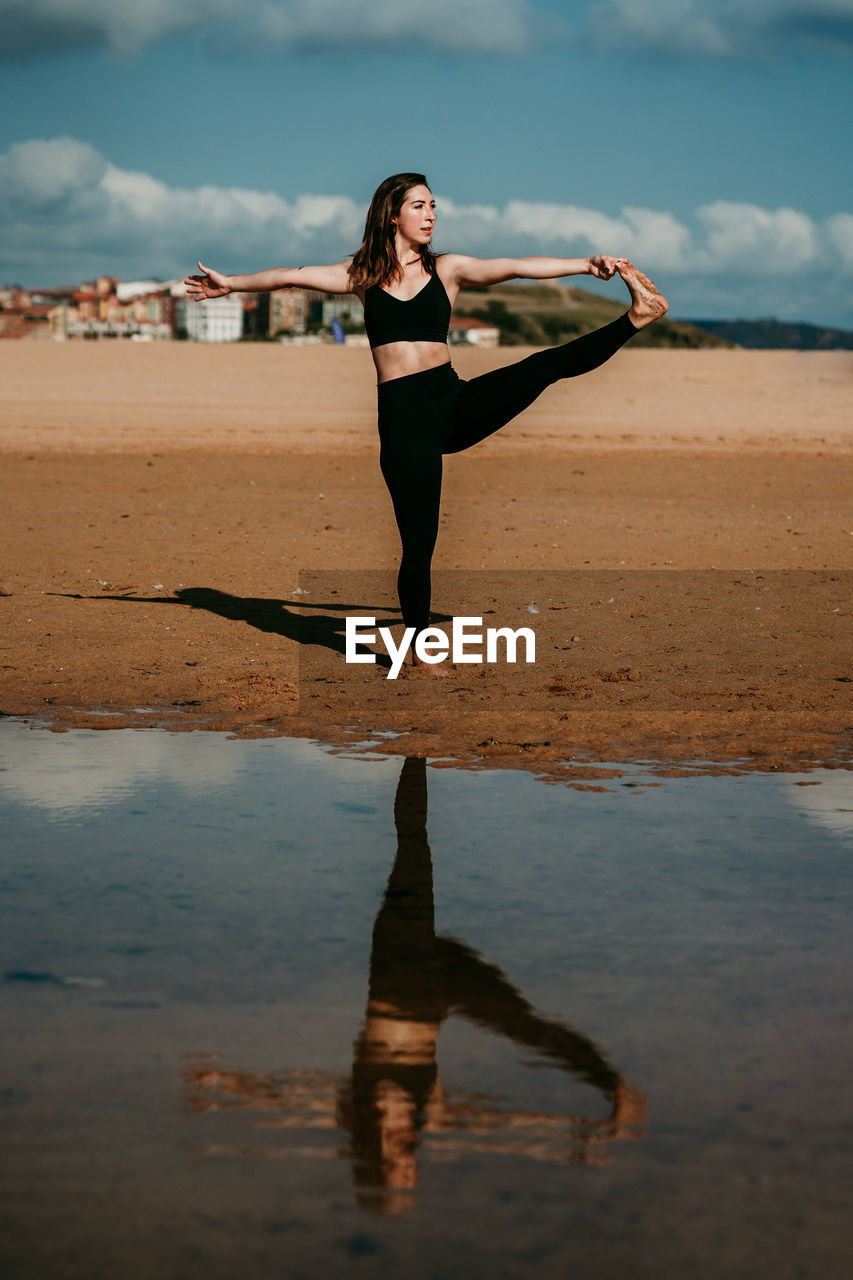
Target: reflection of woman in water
{"x":425,"y":409}
{"x":416,"y":981}
{"x":394,"y":1093}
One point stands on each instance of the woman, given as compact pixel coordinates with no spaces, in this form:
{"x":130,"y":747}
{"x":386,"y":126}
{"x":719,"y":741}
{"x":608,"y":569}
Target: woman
{"x":425,"y":409}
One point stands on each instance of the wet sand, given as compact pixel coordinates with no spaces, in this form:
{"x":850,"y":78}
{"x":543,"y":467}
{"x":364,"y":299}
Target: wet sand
{"x":680,"y":520}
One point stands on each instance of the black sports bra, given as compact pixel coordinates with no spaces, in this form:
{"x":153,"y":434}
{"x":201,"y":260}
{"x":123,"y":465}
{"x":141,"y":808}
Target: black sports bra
{"x":423,"y":318}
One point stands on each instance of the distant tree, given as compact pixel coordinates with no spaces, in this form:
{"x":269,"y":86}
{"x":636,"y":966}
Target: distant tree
{"x":514,"y":329}
{"x":560,"y":327}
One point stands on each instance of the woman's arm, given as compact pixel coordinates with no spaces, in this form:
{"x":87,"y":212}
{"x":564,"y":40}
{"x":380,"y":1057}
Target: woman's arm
{"x":484,"y":271}
{"x":213,"y":284}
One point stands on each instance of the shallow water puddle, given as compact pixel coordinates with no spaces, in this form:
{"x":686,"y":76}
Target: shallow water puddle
{"x":276,"y":1011}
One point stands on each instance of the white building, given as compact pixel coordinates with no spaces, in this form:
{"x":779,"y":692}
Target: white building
{"x":127,"y":290}
{"x":465,"y":329}
{"x":342,"y":306}
{"x":212,"y":319}
{"x":287,"y":311}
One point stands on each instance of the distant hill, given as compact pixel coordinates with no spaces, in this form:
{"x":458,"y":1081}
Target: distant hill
{"x":542,"y":315}
{"x":776,"y":335}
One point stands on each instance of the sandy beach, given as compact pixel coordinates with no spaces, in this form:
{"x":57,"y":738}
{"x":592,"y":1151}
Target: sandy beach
{"x":183,"y":526}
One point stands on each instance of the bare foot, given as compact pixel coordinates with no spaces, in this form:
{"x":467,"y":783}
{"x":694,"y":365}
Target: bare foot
{"x":630,"y":1112}
{"x":431,"y":668}
{"x":647,"y":304}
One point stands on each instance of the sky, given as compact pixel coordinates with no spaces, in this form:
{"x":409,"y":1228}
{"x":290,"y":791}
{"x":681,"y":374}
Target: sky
{"x":709,"y":142}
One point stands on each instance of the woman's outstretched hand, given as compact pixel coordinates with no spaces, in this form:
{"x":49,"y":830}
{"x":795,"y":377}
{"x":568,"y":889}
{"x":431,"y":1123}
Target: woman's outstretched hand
{"x":210,"y":285}
{"x":603,"y":267}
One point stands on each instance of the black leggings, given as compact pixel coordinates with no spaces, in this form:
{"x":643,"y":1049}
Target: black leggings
{"x":425,"y":415}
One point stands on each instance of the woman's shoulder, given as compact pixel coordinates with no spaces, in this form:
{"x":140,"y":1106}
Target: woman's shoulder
{"x":444,"y":266}
{"x":451,"y":265}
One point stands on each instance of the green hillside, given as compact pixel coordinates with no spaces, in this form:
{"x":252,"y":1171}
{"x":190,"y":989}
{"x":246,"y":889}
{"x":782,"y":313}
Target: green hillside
{"x":542,"y":315}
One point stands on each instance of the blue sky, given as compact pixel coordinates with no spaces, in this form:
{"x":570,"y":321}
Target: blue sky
{"x":708,"y":141}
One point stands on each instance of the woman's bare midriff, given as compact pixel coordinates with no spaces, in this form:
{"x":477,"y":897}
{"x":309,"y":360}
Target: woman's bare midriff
{"x":398,"y":359}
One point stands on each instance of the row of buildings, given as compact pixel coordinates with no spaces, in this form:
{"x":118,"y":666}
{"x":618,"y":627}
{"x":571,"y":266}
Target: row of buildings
{"x":146,"y":310}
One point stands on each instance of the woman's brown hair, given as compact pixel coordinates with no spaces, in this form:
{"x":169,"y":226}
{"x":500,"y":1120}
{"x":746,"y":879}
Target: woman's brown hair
{"x":376,"y":262}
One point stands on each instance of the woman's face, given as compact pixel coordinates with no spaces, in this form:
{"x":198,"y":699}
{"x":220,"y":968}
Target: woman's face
{"x":416,"y":218}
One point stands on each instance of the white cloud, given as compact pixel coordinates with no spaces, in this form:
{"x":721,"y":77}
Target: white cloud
{"x":568,"y":223}
{"x":723,"y":28}
{"x":478,"y":26}
{"x":828,"y":805}
{"x":840,"y":235}
{"x":760,"y":241}
{"x":37,"y":174}
{"x":34,"y":27}
{"x":67,"y":213}
{"x":726,"y":237}
{"x":678,"y":26}
{"x":709,"y":28}
{"x":644,"y":234}
{"x":65,"y":773}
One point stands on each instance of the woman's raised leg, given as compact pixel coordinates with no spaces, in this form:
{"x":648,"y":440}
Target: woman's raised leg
{"x":491,"y":401}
